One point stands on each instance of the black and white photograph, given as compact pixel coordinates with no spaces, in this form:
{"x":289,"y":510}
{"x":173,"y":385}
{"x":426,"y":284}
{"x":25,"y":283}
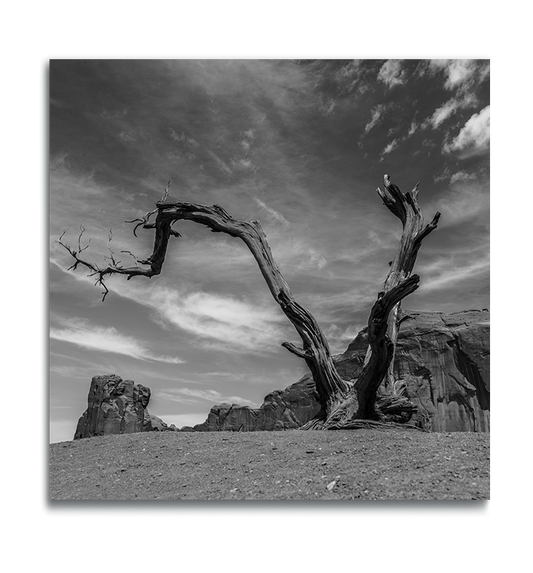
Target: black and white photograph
{"x":269,"y":279}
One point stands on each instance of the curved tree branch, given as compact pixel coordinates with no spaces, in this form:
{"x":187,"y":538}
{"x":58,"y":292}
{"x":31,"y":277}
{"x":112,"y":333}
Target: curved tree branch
{"x":315,"y":350}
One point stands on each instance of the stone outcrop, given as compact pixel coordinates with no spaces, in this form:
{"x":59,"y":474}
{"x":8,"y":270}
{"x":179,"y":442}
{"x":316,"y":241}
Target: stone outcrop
{"x":117,"y":406}
{"x":442,"y":362}
{"x":281,"y":410}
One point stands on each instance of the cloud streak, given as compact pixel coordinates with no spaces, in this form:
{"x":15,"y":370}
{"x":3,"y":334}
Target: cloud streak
{"x":106,"y":339}
{"x":194,"y":396}
{"x":235,"y":324}
{"x":451,"y":273}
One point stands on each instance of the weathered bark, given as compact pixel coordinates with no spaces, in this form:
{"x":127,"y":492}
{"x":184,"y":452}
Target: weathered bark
{"x":405,"y":207}
{"x":341,"y":401}
{"x":361,"y":402}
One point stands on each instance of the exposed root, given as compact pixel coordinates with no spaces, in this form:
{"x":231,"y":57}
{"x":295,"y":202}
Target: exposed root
{"x":374,"y":424}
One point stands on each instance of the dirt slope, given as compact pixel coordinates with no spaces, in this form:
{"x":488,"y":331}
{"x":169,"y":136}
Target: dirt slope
{"x":290,"y":465}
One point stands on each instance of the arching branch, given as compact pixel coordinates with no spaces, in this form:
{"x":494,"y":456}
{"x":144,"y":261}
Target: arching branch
{"x":315,"y":350}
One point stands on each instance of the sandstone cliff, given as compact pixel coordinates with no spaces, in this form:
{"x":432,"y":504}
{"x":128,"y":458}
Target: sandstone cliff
{"x":117,"y":406}
{"x":281,"y":410}
{"x":442,"y":361}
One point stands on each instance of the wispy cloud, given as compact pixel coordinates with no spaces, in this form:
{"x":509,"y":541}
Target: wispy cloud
{"x":466,"y":199}
{"x":273,"y":214}
{"x":390,"y":147}
{"x":377,"y":114}
{"x":391,"y":73}
{"x":449,"y":108}
{"x":441,"y":274}
{"x":106,"y":339}
{"x":234,"y":323}
{"x":222,"y":166}
{"x":194,"y":395}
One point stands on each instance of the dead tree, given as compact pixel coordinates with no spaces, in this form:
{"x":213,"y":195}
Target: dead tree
{"x":405,"y":207}
{"x":344,"y":403}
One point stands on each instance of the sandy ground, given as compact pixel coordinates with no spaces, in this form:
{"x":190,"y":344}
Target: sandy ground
{"x":290,"y":465}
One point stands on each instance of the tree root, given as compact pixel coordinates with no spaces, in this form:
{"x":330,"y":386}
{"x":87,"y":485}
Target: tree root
{"x":320,"y":424}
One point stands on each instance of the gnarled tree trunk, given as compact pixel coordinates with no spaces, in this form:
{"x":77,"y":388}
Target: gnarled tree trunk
{"x":342,"y":401}
{"x":405,"y":207}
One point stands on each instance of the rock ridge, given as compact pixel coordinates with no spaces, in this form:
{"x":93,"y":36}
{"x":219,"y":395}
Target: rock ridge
{"x":117,"y":406}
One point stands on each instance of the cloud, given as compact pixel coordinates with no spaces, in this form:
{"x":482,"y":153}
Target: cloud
{"x":376,"y":239}
{"x":222,"y":166}
{"x":273,"y":214}
{"x":193,"y":396}
{"x":316,"y":259}
{"x":391,"y":73}
{"x":452,"y":273}
{"x":443,"y":112}
{"x":467,"y":199}
{"x":390,"y":147}
{"x":474,"y":137}
{"x":449,"y":108}
{"x":106,"y":339}
{"x":223,"y":323}
{"x":460,"y":74}
{"x":182,"y":138}
{"x":462,"y":176}
{"x":238,"y":325}
{"x":377,"y":113}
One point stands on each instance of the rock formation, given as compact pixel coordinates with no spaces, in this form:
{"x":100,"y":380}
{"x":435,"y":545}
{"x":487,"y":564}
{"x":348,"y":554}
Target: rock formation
{"x":117,"y":406}
{"x":281,"y":410}
{"x":442,"y":362}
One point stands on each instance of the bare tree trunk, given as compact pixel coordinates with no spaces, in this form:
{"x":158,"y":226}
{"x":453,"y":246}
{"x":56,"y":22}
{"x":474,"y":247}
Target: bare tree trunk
{"x":405,"y":207}
{"x":341,"y":401}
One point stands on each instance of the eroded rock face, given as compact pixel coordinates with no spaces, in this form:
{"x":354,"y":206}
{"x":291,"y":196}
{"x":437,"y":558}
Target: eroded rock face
{"x":444,"y":360}
{"x":117,"y":406}
{"x":281,"y":410}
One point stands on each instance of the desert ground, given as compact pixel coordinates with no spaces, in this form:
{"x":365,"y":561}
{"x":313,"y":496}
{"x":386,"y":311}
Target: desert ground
{"x":362,"y":464}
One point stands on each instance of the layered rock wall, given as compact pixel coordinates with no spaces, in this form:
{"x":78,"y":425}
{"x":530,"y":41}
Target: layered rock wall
{"x":281,"y":410}
{"x":116,"y":406}
{"x":444,"y":361}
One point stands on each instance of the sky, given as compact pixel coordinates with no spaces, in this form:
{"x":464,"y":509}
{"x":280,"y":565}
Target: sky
{"x":299,"y":145}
